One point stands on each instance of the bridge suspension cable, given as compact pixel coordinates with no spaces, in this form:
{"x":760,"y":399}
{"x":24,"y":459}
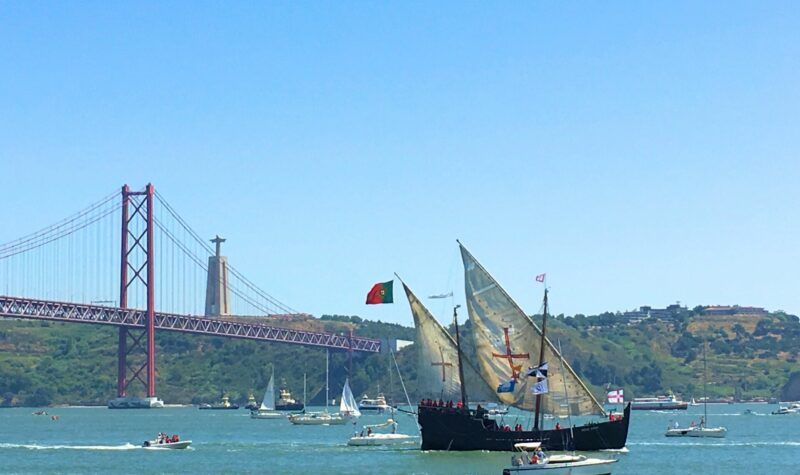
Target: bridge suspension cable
{"x":77,"y":259}
{"x":269,"y":303}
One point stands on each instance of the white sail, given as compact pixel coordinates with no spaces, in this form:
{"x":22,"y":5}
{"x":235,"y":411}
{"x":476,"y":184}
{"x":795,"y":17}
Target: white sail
{"x":437,"y":359}
{"x":268,"y":403}
{"x":507,"y":344}
{"x":348,"y":405}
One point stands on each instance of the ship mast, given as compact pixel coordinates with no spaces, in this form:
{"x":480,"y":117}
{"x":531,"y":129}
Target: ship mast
{"x":541,"y":358}
{"x":705,"y":392}
{"x":460,"y":365}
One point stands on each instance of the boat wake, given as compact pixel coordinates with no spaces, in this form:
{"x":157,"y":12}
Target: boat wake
{"x":623,"y":450}
{"x":724,"y":444}
{"x":69,"y":447}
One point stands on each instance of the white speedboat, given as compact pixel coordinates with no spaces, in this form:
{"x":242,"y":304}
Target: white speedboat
{"x":783,"y":410}
{"x":162,"y":441}
{"x":529,"y":458}
{"x":167,"y":445}
{"x":368,"y":436}
{"x":377,"y":405}
{"x":267,"y":408}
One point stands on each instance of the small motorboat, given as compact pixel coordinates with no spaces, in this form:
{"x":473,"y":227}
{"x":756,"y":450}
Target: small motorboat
{"x":163,"y":441}
{"x":39,"y":413}
{"x":783,"y":410}
{"x":368,"y":437}
{"x":529,"y":458}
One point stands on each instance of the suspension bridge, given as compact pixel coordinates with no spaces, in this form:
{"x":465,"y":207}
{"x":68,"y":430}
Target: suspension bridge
{"x":131,"y":261}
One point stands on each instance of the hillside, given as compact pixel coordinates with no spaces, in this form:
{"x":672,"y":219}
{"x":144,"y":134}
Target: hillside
{"x":45,"y":363}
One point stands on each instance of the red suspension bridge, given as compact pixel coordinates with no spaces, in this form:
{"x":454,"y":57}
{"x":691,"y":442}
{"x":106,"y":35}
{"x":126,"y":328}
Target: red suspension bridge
{"x":134,"y":246}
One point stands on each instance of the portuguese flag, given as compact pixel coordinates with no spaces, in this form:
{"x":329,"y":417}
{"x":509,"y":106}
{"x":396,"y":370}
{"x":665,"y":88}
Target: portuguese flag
{"x":380,"y":293}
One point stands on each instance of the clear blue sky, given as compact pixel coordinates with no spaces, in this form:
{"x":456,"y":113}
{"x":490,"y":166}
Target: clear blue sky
{"x":639,"y":153}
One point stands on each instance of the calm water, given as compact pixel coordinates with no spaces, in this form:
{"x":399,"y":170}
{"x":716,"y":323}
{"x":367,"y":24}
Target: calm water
{"x":97,"y":440}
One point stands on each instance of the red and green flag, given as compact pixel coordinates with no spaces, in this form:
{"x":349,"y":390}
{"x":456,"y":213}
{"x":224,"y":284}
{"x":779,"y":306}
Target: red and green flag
{"x":380,"y":293}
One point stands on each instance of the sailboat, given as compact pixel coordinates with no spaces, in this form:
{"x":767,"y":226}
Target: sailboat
{"x":267,"y":408}
{"x":505,"y":339}
{"x":324,"y":417}
{"x":348,"y":407}
{"x":370,"y":435}
{"x":701,"y":430}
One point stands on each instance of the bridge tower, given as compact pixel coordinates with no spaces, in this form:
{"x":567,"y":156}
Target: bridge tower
{"x":137,"y":264}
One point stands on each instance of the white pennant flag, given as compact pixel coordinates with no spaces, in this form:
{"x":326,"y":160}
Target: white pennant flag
{"x":540,"y":387}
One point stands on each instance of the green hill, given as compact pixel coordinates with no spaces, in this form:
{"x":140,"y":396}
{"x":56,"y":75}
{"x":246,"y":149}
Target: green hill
{"x":44,"y":363}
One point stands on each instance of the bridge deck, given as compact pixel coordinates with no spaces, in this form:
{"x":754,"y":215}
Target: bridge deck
{"x":17,"y":307}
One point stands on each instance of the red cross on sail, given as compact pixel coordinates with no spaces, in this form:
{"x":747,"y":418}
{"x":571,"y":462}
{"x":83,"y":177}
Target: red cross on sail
{"x":441,"y":363}
{"x":509,"y":356}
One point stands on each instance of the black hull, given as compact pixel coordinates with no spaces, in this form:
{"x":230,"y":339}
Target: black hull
{"x":214,"y":408}
{"x":458,"y":429}
{"x":298,"y":406}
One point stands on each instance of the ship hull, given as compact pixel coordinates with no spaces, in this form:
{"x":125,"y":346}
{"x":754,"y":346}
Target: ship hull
{"x":298,"y":406}
{"x":458,"y":429}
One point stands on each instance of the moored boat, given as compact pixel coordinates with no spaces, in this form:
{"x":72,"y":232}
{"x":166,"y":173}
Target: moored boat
{"x":348,"y":407}
{"x":251,"y":405}
{"x":376,"y":405}
{"x":285,"y":401}
{"x":224,"y":404}
{"x":317,"y":419}
{"x":697,"y":431}
{"x":700,"y":430}
{"x":530,"y":458}
{"x":267,"y":408}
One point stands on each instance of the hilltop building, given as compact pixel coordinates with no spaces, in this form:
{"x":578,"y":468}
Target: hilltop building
{"x":644,"y":312}
{"x":732,"y":310}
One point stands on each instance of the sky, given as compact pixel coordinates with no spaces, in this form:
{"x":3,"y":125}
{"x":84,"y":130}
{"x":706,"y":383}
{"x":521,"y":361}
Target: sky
{"x":638,"y":153}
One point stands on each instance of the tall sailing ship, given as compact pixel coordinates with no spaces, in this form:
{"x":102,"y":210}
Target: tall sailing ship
{"x":506,"y":342}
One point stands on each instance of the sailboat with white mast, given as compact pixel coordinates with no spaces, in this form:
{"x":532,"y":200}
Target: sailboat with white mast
{"x":702,"y":429}
{"x":325,"y":417}
{"x":267,"y":408}
{"x":505,"y":340}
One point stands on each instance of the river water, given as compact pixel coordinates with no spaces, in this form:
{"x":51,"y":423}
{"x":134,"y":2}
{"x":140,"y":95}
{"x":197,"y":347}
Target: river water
{"x":98,"y":440}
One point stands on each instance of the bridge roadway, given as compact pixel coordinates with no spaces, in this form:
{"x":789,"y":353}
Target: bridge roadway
{"x":32,"y":309}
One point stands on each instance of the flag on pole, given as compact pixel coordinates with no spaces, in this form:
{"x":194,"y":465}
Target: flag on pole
{"x":616,"y":397}
{"x":441,"y":296}
{"x":540,"y":277}
{"x":380,"y":293}
{"x":540,"y":387}
{"x":539,"y":371}
{"x":507,"y":387}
